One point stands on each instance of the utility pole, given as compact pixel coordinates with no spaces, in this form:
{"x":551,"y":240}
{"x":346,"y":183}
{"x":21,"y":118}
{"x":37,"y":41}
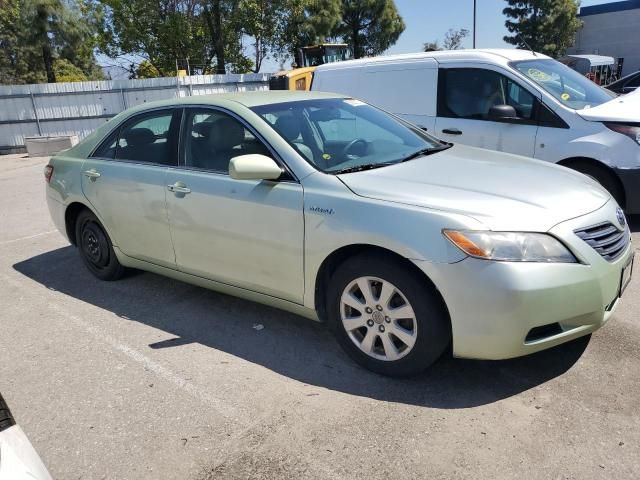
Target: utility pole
{"x":474,"y":23}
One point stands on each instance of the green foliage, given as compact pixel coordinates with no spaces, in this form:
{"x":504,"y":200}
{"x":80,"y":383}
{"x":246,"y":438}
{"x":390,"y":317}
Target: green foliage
{"x":36,"y":34}
{"x":546,"y":26}
{"x":65,"y":71}
{"x":452,"y":41}
{"x":146,"y":70}
{"x":370,"y":26}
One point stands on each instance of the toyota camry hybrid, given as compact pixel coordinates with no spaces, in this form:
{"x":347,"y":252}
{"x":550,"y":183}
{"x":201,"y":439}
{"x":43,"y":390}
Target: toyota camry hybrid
{"x":325,"y":206}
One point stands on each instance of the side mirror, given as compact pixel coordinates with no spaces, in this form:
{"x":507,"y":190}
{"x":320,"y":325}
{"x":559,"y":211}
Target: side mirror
{"x":501,"y":113}
{"x":254,"y":167}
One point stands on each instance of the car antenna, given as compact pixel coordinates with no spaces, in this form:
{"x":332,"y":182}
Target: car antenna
{"x":526,"y":45}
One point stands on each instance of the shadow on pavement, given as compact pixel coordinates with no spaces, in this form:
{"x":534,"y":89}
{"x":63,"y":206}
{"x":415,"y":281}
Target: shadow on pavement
{"x":288,"y":344}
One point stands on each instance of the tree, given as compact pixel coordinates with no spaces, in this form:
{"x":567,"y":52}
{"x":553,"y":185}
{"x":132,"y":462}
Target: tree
{"x":453,"y":39}
{"x":163,"y":32}
{"x":370,"y":26}
{"x":431,"y":46}
{"x":546,"y":26}
{"x":300,"y":23}
{"x":35,"y":35}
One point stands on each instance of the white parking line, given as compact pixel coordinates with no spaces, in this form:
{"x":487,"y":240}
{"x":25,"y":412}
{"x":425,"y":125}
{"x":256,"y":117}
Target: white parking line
{"x":223,"y":409}
{"x":6,"y":242}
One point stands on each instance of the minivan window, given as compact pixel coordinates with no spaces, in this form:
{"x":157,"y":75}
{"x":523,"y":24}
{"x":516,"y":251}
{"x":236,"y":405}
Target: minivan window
{"x":566,"y":85}
{"x":471,"y":92}
{"x":337,"y":135}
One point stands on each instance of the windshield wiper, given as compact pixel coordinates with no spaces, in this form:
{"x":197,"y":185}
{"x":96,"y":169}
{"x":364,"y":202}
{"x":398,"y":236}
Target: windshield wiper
{"x":426,"y":151}
{"x":361,"y":168}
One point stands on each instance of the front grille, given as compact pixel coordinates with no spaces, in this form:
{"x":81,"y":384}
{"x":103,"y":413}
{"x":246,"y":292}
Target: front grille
{"x":606,"y":239}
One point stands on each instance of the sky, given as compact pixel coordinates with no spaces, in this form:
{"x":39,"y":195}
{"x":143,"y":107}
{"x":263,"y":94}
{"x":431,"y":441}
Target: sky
{"x":429,"y":20}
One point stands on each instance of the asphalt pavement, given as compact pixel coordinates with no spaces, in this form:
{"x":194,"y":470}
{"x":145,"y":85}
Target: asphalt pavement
{"x":150,"y":378}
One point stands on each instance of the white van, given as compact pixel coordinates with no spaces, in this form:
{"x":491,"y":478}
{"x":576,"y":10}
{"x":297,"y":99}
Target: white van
{"x":514,"y":101}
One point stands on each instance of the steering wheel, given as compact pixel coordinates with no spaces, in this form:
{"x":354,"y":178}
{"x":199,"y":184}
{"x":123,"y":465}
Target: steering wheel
{"x":353,"y":143}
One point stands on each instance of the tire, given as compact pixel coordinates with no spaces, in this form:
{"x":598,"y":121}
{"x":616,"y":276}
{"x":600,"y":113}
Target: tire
{"x":601,"y":175}
{"x":372,"y":342}
{"x":96,"y":249}
{"x":6,"y":420}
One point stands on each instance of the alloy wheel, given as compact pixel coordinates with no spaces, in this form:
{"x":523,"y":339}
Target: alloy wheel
{"x":378,"y":318}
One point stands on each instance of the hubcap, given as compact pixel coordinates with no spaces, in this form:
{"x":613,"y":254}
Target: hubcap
{"x":94,"y":245}
{"x":378,"y":318}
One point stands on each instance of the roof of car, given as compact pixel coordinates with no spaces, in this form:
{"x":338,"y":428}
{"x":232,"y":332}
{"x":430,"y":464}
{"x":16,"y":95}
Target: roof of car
{"x":248,"y":99}
{"x":496,"y":54}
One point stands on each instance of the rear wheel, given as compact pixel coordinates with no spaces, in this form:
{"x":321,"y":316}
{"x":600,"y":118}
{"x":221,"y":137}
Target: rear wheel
{"x":601,"y":175}
{"x":385,"y":317}
{"x":96,"y":248}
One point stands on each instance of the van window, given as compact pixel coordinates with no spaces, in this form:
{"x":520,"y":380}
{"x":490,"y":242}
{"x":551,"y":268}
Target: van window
{"x":471,"y":92}
{"x":566,"y":85}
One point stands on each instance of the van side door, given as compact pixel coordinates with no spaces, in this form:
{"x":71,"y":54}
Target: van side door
{"x":465,"y":97}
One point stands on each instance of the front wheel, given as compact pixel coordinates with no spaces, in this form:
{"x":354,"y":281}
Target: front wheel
{"x":386,"y":317}
{"x":96,"y":248}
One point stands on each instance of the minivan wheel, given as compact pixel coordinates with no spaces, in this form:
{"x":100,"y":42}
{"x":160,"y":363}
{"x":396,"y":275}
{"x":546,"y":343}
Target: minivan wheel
{"x":96,"y":248}
{"x":385,"y":317}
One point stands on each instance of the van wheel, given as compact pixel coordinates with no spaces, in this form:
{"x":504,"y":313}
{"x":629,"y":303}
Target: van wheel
{"x":601,"y":175}
{"x":386,"y":318}
{"x":96,"y":249}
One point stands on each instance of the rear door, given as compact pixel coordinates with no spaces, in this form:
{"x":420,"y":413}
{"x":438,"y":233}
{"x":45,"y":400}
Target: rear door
{"x":465,"y":96}
{"x":125,"y":182}
{"x":244,"y":233}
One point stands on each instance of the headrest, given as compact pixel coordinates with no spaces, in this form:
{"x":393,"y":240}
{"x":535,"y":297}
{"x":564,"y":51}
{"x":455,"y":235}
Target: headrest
{"x":202,"y":128}
{"x":226,"y":133}
{"x":289,"y":127}
{"x":139,"y":136}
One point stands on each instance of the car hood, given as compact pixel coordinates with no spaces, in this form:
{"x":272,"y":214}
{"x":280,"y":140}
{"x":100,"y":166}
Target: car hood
{"x":625,"y":108}
{"x":502,"y":191}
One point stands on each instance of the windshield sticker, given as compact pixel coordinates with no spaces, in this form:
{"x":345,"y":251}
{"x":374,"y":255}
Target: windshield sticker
{"x":565,"y":96}
{"x":538,"y":75}
{"x":326,"y":156}
{"x":353,"y":102}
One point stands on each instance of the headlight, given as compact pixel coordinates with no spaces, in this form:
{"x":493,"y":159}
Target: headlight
{"x":631,"y":131}
{"x":511,"y":246}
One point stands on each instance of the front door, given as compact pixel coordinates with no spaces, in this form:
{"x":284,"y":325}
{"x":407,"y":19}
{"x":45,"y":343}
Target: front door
{"x":465,"y":96}
{"x":240,"y":232}
{"x":125,"y":182}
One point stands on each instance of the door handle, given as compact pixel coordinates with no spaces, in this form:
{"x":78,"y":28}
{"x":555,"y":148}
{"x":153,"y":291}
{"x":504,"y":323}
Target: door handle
{"x":91,"y":174}
{"x":178,"y":187}
{"x":452,"y":131}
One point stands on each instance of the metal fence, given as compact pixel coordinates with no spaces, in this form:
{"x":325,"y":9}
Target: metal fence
{"x":77,"y":108}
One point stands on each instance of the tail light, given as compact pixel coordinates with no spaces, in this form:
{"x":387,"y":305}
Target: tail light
{"x":48,"y":172}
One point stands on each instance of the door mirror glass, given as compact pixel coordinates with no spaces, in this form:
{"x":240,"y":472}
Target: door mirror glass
{"x":501,"y":113}
{"x":254,"y":167}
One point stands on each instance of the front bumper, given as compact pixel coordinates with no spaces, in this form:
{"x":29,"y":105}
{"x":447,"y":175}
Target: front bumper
{"x":630,"y":178}
{"x":494,"y":306}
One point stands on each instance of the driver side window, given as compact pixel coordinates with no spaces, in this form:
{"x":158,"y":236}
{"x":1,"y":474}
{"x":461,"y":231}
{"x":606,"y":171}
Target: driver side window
{"x":471,"y":92}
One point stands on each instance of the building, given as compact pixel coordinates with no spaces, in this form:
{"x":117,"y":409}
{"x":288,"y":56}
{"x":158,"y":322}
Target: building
{"x":611,"y":29}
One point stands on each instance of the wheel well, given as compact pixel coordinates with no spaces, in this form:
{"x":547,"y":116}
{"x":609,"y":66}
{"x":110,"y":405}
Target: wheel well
{"x":574,"y":163}
{"x":336,"y":258}
{"x":70,"y":217}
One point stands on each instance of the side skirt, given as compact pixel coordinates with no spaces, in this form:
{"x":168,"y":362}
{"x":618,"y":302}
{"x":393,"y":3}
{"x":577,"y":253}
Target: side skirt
{"x":218,"y":286}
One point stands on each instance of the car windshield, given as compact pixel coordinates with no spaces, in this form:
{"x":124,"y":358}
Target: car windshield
{"x":337,"y":135}
{"x":566,"y":85}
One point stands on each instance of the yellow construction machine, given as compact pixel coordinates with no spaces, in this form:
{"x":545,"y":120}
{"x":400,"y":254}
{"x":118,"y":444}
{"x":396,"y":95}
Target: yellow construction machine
{"x":307,"y":59}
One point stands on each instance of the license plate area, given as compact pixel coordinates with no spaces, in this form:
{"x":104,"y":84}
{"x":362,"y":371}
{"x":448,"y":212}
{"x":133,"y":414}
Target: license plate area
{"x":625,"y":276}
